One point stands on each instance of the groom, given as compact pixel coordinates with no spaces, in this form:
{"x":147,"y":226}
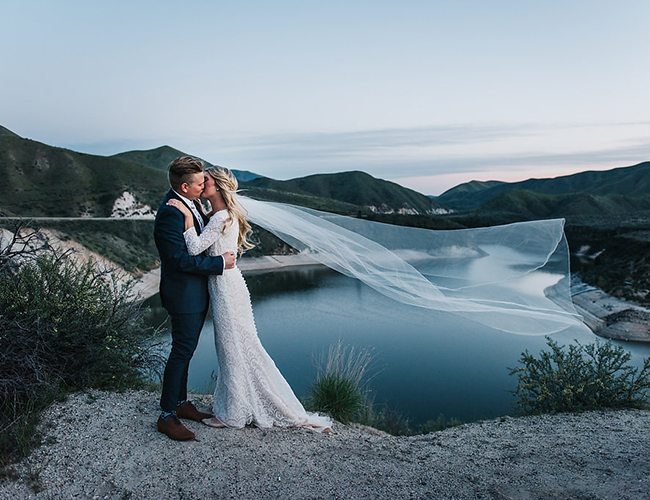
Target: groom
{"x":184,"y":292}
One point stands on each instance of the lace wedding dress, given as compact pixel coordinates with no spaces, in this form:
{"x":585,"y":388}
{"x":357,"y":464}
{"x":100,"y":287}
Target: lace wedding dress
{"x":250,"y":388}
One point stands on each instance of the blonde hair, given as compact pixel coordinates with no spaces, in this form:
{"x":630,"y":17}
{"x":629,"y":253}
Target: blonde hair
{"x":227,"y":184}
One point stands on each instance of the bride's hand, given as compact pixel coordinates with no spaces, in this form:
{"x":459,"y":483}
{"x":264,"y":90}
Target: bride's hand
{"x":180,"y":206}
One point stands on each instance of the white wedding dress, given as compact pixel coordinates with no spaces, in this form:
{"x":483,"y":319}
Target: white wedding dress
{"x":250,"y":388}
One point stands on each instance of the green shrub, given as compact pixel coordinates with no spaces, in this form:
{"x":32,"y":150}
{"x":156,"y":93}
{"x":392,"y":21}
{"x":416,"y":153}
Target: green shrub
{"x":338,"y":396}
{"x":439,"y":424}
{"x":586,"y":377}
{"x":339,"y":389}
{"x":63,"y":327}
{"x":389,"y":419}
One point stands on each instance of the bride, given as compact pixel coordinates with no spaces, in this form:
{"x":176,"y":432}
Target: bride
{"x":250,"y":389}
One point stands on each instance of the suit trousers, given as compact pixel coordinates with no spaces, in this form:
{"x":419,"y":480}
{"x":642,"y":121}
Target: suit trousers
{"x":186,"y":329}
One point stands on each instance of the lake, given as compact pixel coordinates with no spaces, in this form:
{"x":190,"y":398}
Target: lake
{"x":427,"y":363}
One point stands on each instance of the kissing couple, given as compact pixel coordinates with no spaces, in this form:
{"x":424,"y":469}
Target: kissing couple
{"x":198,"y":254}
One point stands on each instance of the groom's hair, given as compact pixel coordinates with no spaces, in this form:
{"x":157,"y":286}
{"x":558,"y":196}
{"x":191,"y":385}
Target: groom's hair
{"x":181,"y":169}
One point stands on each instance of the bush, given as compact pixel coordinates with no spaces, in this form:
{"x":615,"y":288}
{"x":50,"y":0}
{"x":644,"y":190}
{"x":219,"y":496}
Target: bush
{"x":63,"y":327}
{"x":389,"y":419}
{"x":439,"y":424}
{"x":586,"y":377}
{"x":338,"y":396}
{"x":339,"y":389}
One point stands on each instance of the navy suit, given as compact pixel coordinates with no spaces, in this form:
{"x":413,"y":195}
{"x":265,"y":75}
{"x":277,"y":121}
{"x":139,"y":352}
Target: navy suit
{"x":184,"y":293}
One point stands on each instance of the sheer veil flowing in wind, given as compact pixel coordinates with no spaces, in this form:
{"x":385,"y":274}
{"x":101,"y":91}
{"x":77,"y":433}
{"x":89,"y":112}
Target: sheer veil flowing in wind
{"x":514,"y":278}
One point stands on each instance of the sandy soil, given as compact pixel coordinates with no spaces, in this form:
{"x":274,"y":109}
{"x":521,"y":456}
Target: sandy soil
{"x":105,"y":446}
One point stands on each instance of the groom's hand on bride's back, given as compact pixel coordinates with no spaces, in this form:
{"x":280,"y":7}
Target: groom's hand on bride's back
{"x":229,"y":260}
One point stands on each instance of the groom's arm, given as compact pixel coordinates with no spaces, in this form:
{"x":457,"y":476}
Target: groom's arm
{"x":168,"y":234}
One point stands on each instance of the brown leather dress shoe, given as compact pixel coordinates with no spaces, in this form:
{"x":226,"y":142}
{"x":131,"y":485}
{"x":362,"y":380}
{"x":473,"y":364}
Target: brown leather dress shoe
{"x":189,"y":412}
{"x":174,"y":429}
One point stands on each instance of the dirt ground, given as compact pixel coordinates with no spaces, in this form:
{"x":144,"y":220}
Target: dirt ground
{"x":103,"y":445}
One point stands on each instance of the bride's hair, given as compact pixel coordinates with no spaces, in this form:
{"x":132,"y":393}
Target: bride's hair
{"x":227,"y":184}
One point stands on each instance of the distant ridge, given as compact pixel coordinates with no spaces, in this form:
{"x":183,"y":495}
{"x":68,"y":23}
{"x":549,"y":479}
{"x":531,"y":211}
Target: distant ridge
{"x":464,"y":194}
{"x":353,"y":189}
{"x":157,"y":158}
{"x":5,"y":132}
{"x":627,"y":181}
{"x":528,"y":205}
{"x":43,"y":180}
{"x":245,"y":175}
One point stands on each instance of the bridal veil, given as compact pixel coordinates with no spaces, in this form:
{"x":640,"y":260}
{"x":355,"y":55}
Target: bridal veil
{"x":513,"y":278}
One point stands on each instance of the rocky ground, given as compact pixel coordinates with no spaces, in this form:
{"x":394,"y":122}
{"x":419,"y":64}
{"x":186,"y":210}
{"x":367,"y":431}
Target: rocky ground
{"x":611,"y":317}
{"x":105,"y":446}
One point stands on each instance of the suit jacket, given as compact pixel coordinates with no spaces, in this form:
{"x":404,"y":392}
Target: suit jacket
{"x":183,"y":277}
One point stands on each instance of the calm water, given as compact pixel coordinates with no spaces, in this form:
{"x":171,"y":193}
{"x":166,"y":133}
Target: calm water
{"x":427,"y":363}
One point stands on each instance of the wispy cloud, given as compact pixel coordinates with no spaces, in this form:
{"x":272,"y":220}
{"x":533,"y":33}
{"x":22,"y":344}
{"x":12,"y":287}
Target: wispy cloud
{"x":337,"y":144}
{"x":396,"y":153}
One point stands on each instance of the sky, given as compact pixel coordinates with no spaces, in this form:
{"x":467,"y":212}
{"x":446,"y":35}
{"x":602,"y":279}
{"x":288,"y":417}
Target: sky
{"x":428,"y":94}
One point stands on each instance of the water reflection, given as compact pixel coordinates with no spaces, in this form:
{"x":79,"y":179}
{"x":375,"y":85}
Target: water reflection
{"x":431,"y":362}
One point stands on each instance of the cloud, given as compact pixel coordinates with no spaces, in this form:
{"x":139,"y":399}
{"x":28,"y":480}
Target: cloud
{"x":305,"y":145}
{"x":426,"y":151}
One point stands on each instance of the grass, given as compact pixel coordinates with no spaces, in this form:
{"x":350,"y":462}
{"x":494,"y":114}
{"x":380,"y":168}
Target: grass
{"x":340,"y":388}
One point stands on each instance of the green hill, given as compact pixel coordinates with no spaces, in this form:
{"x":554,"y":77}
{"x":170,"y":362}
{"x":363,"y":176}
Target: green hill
{"x":631,"y":181}
{"x":160,"y":158}
{"x":6,"y":132}
{"x":532,"y":205}
{"x":157,"y":158}
{"x":464,"y":194}
{"x":352,"y":190}
{"x":42,"y":180}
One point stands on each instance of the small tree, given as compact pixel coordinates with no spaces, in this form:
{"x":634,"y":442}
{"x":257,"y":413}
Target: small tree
{"x":63,"y":327}
{"x":586,"y":377}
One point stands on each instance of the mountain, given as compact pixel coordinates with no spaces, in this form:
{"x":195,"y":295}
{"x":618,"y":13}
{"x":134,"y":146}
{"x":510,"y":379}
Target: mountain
{"x":5,"y":132}
{"x":245,"y":175}
{"x":528,"y":205}
{"x":463,"y":194}
{"x":42,"y":180}
{"x":160,"y":158}
{"x":353,"y":190}
{"x":625,"y":181}
{"x":157,"y":158}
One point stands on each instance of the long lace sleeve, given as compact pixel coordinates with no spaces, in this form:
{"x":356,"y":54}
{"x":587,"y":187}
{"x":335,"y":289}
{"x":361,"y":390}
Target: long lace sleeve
{"x":210,"y":234}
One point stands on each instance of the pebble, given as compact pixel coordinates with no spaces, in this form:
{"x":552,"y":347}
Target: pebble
{"x":591,"y":455}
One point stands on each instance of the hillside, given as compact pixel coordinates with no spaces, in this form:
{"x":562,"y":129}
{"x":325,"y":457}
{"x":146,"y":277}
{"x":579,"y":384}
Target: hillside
{"x":42,"y":180}
{"x":6,"y":132}
{"x":464,"y":194}
{"x":631,"y":181}
{"x":355,"y":190}
{"x":157,"y":158}
{"x":528,"y":205}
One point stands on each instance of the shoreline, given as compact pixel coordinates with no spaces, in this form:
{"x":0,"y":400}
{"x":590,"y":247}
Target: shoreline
{"x":610,"y":317}
{"x":148,"y":284}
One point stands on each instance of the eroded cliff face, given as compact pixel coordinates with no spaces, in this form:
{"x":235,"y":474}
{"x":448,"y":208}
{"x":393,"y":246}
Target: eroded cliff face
{"x":126,"y":206}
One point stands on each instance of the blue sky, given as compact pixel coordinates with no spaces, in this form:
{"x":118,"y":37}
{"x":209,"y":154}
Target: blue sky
{"x":425,"y":93}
